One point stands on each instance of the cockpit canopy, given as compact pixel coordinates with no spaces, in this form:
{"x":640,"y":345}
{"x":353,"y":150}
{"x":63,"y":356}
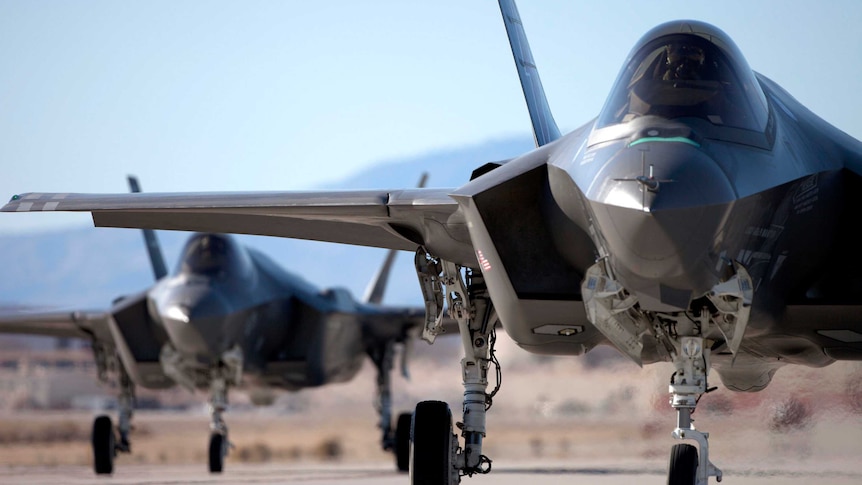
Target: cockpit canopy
{"x":687,"y":69}
{"x":215,"y":255}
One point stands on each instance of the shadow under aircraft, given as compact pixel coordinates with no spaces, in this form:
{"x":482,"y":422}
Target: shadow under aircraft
{"x":230,"y":317}
{"x":704,"y":217}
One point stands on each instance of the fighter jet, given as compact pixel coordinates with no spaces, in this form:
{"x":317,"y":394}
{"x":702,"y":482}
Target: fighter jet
{"x":230,"y":317}
{"x":701,"y":218}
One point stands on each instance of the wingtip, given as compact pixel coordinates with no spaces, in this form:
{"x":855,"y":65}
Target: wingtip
{"x":12,"y":205}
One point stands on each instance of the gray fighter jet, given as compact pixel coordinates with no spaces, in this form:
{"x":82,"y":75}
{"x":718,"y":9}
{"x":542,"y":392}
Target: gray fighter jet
{"x":699,"y":219}
{"x":230,"y":317}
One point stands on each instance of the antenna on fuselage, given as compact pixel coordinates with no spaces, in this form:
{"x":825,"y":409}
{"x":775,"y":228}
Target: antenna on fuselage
{"x":544,"y":127}
{"x":377,"y":286}
{"x":155,"y":251}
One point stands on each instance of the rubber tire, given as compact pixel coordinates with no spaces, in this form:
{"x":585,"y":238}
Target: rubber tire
{"x":682,"y":469}
{"x":402,"y":441}
{"x":103,"y":445}
{"x":217,"y":447}
{"x":430,"y":444}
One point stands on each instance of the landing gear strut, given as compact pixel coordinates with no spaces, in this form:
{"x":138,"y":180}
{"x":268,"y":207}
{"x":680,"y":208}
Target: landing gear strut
{"x":435,"y":450}
{"x":687,"y":385}
{"x":126,"y":404}
{"x":397,"y":440}
{"x":191,"y":374}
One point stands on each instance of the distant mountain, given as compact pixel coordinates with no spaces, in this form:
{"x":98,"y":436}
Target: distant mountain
{"x":88,"y":267}
{"x":447,"y":168}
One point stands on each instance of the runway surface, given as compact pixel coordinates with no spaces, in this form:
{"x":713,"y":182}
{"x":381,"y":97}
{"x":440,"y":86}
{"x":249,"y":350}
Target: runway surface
{"x":359,"y":474}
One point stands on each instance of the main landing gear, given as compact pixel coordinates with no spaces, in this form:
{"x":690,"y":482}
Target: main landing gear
{"x":435,"y":454}
{"x":395,"y":440}
{"x":106,"y":440}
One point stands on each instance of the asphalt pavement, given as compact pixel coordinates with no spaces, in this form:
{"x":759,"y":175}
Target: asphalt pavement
{"x":550,"y":473}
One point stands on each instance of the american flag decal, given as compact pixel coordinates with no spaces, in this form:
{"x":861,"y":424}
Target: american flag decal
{"x":483,"y":262}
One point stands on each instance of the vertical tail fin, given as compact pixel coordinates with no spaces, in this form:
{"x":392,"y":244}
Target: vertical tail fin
{"x":377,"y":286}
{"x":544,"y":127}
{"x":153,"y":248}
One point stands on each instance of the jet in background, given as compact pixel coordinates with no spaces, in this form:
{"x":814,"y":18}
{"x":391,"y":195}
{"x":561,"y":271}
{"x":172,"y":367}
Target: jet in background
{"x":230,"y":317}
{"x":704,"y":217}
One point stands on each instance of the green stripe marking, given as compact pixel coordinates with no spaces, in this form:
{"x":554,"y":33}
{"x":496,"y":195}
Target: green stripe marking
{"x":677,"y":139}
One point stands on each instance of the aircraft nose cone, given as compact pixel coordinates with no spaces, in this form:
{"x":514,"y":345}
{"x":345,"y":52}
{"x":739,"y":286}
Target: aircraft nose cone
{"x":660,"y":219}
{"x":661,"y":176}
{"x":192,"y":319}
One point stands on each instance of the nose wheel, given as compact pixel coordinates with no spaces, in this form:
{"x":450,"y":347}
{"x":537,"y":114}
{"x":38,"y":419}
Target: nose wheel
{"x":218,"y":450}
{"x":682,"y":469}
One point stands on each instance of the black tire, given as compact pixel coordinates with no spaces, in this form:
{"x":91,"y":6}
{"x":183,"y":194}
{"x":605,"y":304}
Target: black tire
{"x":217,"y":452}
{"x":402,"y":441}
{"x":682,"y":469}
{"x":103,"y":445}
{"x":430,"y":444}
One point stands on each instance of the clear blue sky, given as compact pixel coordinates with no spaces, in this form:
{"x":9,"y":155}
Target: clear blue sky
{"x":278,"y":95}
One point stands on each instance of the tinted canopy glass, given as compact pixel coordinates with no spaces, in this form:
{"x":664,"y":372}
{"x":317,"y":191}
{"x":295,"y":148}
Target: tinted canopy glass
{"x":687,"y":75}
{"x":213,"y":255}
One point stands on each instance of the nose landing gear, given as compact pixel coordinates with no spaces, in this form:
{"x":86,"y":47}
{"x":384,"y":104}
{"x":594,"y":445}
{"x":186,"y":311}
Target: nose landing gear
{"x":219,"y":444}
{"x":687,"y":385}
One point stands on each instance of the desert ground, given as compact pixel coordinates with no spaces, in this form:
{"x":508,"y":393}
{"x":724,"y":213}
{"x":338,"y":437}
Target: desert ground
{"x":570,"y":415}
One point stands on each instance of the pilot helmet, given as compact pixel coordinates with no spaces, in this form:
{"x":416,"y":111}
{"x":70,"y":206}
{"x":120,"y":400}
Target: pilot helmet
{"x":683,"y":61}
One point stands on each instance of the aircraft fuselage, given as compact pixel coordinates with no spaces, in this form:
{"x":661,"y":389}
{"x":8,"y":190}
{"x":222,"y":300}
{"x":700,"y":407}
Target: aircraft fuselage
{"x":247,"y":315}
{"x":669,"y":192}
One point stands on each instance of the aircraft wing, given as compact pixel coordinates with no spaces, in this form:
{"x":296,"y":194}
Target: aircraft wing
{"x":55,"y":323}
{"x":395,"y":219}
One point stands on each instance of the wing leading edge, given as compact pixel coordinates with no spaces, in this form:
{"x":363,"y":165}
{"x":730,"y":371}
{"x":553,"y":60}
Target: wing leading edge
{"x":398,"y":219}
{"x":54,"y":323}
